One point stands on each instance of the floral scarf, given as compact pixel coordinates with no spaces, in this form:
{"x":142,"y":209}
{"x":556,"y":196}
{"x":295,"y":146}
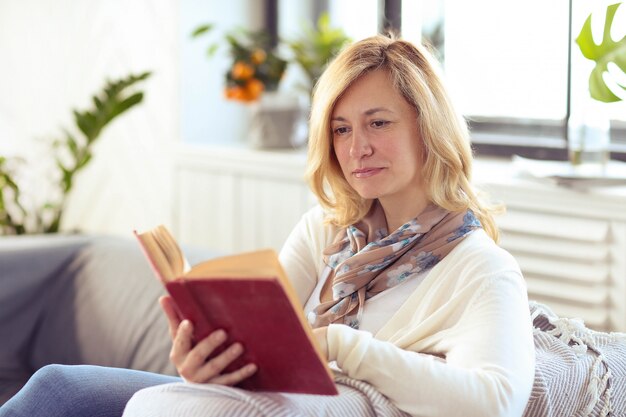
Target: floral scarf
{"x":365,"y":260}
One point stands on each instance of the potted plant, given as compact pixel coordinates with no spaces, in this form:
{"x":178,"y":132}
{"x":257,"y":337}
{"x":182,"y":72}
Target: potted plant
{"x":316,"y":47}
{"x":257,"y":69}
{"x":256,"y":66}
{"x":589,"y":133}
{"x":253,"y":78}
{"x":72,"y":153}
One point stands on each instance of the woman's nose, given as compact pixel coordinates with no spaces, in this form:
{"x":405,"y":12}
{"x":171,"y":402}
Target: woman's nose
{"x":360,"y":146}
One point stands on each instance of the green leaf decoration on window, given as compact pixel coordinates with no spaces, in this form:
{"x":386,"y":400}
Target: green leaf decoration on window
{"x":604,"y":53}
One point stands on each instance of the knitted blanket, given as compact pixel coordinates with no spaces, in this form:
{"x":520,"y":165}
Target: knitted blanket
{"x":357,"y":398}
{"x":578,"y":371}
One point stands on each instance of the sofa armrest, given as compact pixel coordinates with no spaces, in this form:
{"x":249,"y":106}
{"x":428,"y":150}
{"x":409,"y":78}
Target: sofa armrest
{"x":79,"y":300}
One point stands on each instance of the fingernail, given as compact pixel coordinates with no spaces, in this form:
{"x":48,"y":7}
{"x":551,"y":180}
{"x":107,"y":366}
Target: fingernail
{"x":186,"y":324}
{"x":220,"y":335}
{"x":236,"y":348}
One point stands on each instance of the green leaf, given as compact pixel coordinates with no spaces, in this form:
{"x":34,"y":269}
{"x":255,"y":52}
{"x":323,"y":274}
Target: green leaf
{"x":66,"y":179}
{"x":212,"y":49}
{"x":202,"y":29}
{"x":141,"y":77}
{"x":604,"y":53}
{"x":71,"y":143}
{"x":54,"y":226}
{"x":10,"y":200}
{"x":317,"y":46}
{"x":323,"y":22}
{"x":126,"y":104}
{"x":84,"y":161}
{"x":98,"y":103}
{"x":87,"y":124}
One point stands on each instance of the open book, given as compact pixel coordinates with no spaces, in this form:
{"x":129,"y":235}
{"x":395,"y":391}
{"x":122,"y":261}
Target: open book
{"x":249,"y":296}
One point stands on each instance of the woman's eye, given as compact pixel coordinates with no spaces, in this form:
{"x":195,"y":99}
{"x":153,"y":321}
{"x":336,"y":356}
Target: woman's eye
{"x":340,"y":130}
{"x":379,"y":123}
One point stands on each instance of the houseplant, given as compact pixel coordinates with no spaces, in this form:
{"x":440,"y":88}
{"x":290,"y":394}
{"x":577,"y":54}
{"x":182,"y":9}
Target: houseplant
{"x":276,"y":118}
{"x":316,"y":47}
{"x":256,"y":67}
{"x":589,"y":133}
{"x":253,"y":78}
{"x":71,"y":153}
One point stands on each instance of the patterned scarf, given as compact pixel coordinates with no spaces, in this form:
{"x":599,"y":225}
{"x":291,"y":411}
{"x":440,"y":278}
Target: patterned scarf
{"x":365,"y":261}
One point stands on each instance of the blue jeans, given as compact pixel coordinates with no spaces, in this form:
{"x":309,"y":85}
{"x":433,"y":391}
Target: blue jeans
{"x":79,"y":391}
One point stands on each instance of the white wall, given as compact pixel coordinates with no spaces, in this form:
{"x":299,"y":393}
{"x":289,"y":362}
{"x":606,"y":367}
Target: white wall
{"x":55,"y":55}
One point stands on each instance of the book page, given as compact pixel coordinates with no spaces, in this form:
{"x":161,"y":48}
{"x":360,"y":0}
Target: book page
{"x":249,"y":264}
{"x":258,"y":264}
{"x":163,"y":252}
{"x":170,"y":249}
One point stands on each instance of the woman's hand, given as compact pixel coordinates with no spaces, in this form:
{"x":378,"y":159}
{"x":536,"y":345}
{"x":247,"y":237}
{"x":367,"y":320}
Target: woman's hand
{"x":191,"y":361}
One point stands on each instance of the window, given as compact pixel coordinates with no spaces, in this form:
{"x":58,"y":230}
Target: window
{"x":357,"y":25}
{"x":507,"y":65}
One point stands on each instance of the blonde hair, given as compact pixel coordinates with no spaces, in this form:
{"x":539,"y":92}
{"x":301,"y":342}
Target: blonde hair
{"x":447,"y":152}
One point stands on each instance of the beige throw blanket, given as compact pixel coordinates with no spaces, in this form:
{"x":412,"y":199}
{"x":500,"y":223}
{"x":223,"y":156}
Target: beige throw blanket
{"x":356,"y":398}
{"x":578,"y":371}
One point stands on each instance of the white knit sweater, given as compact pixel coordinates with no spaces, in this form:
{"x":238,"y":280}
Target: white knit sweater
{"x":460,"y":345}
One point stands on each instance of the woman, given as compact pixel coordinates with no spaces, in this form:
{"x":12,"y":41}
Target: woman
{"x":408,"y":294}
{"x":398,"y":270}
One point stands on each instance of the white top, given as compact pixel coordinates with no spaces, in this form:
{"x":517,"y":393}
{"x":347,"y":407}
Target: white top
{"x":378,"y":309}
{"x":461,"y":342}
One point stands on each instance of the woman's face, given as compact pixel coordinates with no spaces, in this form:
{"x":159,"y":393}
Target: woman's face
{"x":377,"y":142}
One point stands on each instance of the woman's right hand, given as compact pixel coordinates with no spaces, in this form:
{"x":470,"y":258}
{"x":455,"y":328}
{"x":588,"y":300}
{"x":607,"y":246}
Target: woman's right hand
{"x":191,"y":361}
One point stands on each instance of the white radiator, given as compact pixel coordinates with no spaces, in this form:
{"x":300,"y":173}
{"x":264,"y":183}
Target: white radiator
{"x":566,"y":262}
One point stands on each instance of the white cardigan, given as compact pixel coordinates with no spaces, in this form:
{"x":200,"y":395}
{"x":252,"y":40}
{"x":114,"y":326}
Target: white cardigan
{"x":460,"y":345}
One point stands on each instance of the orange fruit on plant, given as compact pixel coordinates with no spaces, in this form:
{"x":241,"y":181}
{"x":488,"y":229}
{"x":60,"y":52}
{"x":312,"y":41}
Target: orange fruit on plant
{"x":242,"y":71}
{"x":258,"y":56}
{"x":254,"y":88}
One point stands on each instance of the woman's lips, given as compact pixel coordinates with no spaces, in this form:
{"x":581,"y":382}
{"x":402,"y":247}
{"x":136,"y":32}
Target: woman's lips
{"x":366,"y":172}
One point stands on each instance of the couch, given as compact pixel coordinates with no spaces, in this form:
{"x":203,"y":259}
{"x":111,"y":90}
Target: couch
{"x":75,"y":299}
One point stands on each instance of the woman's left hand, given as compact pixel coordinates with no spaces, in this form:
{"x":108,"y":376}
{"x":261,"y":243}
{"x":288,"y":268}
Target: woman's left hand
{"x":320,"y":336}
{"x":192,"y":361}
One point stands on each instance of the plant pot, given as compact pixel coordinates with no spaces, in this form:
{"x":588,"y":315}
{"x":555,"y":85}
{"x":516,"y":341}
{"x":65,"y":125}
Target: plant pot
{"x":589,"y":139}
{"x":275,"y":121}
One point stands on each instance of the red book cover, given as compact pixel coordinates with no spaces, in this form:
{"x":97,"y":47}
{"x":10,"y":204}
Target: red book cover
{"x":249,"y":297}
{"x":257,"y":313}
